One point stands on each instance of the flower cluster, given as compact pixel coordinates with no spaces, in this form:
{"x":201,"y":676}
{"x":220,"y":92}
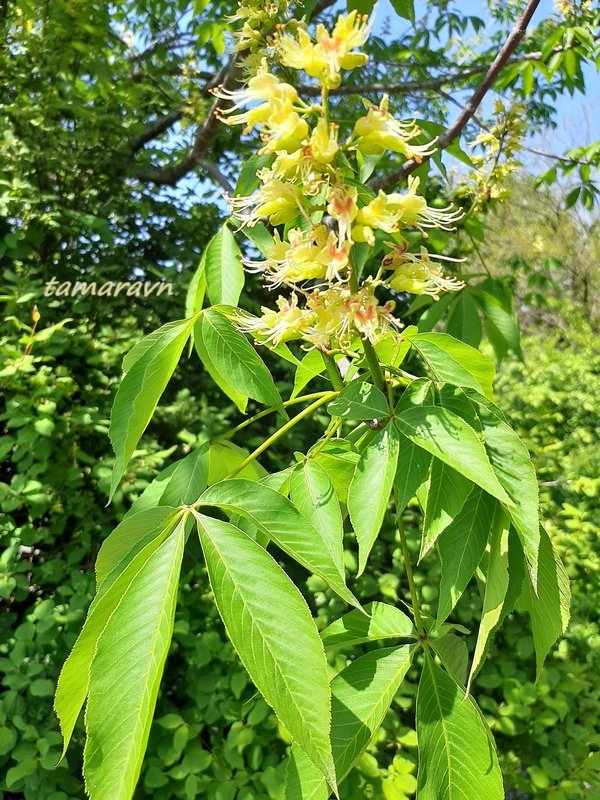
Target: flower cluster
{"x":324,"y":213}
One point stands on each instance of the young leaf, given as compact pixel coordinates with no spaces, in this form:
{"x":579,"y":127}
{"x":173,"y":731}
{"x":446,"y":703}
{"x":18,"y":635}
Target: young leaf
{"x":455,"y":362}
{"x":224,"y":457}
{"x":224,"y":270}
{"x":235,"y":360}
{"x":512,"y":465}
{"x":240,"y":399}
{"x":313,"y":494}
{"x":125,"y":674}
{"x":369,"y":492}
{"x":303,"y":781}
{"x":140,"y":391}
{"x":449,"y":438}
{"x":457,"y":755}
{"x":446,"y":495}
{"x":278,"y":519}
{"x":361,"y":694}
{"x":413,"y":465}
{"x":496,"y":585}
{"x":272,"y":630}
{"x":384,"y":622}
{"x":197,"y":289}
{"x":180,"y":482}
{"x":73,"y":682}
{"x":461,"y":547}
{"x":549,"y":610}
{"x":359,"y":401}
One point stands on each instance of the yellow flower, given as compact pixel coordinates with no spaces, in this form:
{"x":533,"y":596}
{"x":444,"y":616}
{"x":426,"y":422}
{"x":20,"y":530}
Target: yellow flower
{"x":331,"y":52}
{"x":342,"y":207}
{"x":270,"y":93}
{"x":274,"y":327}
{"x":283,"y":130}
{"x":323,"y":144}
{"x":416,"y":273}
{"x":393,"y":212}
{"x":378,"y":131}
{"x":338,"y":315}
{"x":279,"y":201}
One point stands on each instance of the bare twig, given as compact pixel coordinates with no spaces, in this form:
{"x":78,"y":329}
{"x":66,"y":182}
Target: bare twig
{"x":453,"y":132}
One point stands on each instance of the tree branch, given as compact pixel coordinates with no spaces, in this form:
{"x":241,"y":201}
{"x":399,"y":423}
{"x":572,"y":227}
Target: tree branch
{"x":155,"y":129}
{"x":453,"y":132}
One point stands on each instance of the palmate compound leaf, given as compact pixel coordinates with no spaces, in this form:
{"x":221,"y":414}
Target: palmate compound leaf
{"x":125,"y":674}
{"x":549,"y":610}
{"x":277,"y":518}
{"x":272,"y":629}
{"x":148,"y":370}
{"x":457,"y":755}
{"x":369,"y":492}
{"x":122,"y":556}
{"x":361,"y":695}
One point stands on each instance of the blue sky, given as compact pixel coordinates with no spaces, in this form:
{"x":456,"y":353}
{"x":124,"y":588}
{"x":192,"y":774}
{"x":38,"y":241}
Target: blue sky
{"x":577,"y":117}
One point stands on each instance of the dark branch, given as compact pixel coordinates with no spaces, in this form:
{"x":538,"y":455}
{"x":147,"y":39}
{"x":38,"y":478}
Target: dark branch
{"x":155,"y":129}
{"x":453,"y":132}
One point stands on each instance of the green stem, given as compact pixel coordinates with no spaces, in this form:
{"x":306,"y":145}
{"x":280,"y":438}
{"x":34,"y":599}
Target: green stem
{"x":304,"y":399}
{"x":333,"y":427}
{"x":279,"y":433}
{"x":407,"y":566}
{"x":370,"y":354}
{"x":332,"y":371}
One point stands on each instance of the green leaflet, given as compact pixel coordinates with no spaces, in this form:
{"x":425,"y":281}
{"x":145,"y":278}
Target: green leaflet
{"x":240,"y":400}
{"x":309,"y":367}
{"x":339,"y":459}
{"x":512,"y":464}
{"x":146,"y":378}
{"x":235,"y":361}
{"x":457,"y":755}
{"x":448,"y":437}
{"x":446,"y":494}
{"x":361,"y":695}
{"x":369,"y":492}
{"x":359,"y":401}
{"x":313,"y":494}
{"x":73,"y":681}
{"x":276,"y":517}
{"x":274,"y":634}
{"x":224,"y":457}
{"x":128,"y":538}
{"x":549,"y":610}
{"x":453,"y":654}
{"x":125,"y":674}
{"x":383,"y":622}
{"x":461,"y":547}
{"x":223,"y":269}
{"x":499,"y":318}
{"x":179,"y":483}
{"x":411,"y":471}
{"x":455,"y":362}
{"x":496,"y":586}
{"x":194,"y":299}
{"x":464,"y":322}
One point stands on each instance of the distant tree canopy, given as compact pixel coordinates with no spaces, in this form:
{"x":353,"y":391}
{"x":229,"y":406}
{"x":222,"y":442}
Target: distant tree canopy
{"x":104,"y":107}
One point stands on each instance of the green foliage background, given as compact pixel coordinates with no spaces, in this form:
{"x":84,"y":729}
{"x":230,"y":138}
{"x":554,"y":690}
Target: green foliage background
{"x":213,"y":736}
